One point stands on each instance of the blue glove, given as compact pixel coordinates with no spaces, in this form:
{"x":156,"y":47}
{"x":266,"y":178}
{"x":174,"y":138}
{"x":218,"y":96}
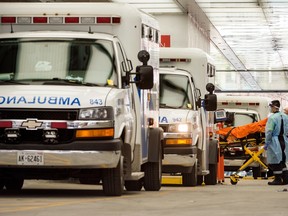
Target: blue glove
{"x":265,"y":147}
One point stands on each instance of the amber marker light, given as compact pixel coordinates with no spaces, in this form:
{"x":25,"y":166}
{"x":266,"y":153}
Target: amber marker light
{"x":178,"y":141}
{"x":93,"y":133}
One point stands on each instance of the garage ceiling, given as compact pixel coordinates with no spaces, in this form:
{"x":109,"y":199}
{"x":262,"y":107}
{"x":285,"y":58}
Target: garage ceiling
{"x":249,"y":38}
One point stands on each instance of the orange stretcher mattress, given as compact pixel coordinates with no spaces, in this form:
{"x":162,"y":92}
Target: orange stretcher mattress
{"x":230,"y":134}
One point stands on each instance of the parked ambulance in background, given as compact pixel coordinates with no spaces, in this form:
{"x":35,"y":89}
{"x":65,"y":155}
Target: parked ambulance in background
{"x":70,"y":102}
{"x":242,"y":110}
{"x":186,"y":104}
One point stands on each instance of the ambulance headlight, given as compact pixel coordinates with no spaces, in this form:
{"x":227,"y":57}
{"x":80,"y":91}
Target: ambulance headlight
{"x":179,"y":128}
{"x":100,"y":113}
{"x":183,"y":128}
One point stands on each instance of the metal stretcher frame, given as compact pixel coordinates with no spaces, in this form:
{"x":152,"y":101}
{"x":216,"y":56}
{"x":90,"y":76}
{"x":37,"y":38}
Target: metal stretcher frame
{"x":254,"y":156}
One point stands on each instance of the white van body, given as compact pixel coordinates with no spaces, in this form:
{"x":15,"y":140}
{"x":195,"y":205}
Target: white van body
{"x":188,"y":149}
{"x":70,"y":105}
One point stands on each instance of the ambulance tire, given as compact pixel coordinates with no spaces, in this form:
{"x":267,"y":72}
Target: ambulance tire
{"x":134,"y":185}
{"x":14,"y":184}
{"x":153,"y":169}
{"x":190,"y":179}
{"x":2,"y":184}
{"x":152,"y":176}
{"x":113,"y":180}
{"x":211,"y":178}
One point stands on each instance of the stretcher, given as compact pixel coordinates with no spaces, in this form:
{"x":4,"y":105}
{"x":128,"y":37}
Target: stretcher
{"x":250,"y":139}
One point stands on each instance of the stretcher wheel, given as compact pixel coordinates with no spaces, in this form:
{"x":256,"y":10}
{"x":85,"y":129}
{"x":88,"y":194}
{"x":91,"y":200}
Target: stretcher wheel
{"x":233,"y":182}
{"x":234,"y":179}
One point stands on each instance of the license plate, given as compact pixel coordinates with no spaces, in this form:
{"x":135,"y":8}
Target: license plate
{"x":30,"y":158}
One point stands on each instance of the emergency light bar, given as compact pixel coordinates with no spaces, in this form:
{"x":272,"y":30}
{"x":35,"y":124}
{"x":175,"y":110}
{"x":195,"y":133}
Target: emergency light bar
{"x":174,"y":60}
{"x":60,"y":20}
{"x":240,"y":103}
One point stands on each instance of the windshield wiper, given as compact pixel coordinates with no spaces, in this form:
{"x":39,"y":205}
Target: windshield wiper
{"x":165,"y":106}
{"x":59,"y":81}
{"x":12,"y":82}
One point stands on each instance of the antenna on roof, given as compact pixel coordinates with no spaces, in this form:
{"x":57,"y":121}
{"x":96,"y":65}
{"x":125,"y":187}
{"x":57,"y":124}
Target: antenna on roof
{"x":90,"y":32}
{"x":11,"y":31}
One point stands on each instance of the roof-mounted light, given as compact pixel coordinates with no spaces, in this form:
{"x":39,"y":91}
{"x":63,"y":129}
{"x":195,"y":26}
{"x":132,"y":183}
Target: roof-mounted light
{"x":8,"y":20}
{"x":112,"y":20}
{"x":103,"y":19}
{"x":174,"y":60}
{"x":116,"y":20}
{"x":56,"y":20}
{"x":241,"y":104}
{"x":71,"y":20}
{"x":88,"y":20}
{"x":60,"y":20}
{"x":40,"y":20}
{"x":24,"y":20}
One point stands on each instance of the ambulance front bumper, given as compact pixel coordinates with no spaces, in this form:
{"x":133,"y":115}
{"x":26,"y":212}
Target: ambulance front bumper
{"x":179,"y":156}
{"x":59,"y":159}
{"x":78,"y":154}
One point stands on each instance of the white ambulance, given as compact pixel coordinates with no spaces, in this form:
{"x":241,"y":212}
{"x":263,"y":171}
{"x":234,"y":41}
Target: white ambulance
{"x":243,"y":110}
{"x":187,"y":119}
{"x":73,"y":104}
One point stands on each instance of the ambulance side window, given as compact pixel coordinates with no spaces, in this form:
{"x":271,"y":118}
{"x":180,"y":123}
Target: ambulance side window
{"x":8,"y":60}
{"x":124,"y":64}
{"x":121,"y":56}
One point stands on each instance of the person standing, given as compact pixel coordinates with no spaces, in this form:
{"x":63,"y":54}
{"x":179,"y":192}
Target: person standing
{"x":286,"y":110}
{"x":276,"y":143}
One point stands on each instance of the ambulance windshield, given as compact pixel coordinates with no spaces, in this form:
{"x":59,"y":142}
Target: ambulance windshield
{"x":79,"y":60}
{"x":175,"y":91}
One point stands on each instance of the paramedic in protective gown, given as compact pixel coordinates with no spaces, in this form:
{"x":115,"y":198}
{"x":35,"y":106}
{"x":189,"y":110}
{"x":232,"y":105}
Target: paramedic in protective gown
{"x":276,"y":143}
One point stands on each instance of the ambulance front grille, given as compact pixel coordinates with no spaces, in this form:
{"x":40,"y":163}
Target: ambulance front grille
{"x":41,"y":114}
{"x":36,"y":136}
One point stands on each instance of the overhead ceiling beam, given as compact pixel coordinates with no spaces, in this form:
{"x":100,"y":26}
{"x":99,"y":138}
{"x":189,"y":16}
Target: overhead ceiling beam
{"x":191,"y":7}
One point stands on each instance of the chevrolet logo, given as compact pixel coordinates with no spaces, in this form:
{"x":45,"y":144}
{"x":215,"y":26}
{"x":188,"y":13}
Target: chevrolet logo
{"x":31,"y":124}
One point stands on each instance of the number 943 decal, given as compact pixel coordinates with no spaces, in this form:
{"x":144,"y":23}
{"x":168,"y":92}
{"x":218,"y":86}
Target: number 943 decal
{"x":96,"y":101}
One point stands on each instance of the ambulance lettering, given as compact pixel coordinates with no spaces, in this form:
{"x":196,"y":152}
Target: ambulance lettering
{"x":67,"y":101}
{"x":163,"y":119}
{"x":96,"y":101}
{"x":177,"y":119}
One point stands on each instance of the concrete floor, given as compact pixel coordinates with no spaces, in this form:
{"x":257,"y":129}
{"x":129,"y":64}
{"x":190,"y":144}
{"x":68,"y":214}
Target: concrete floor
{"x":44,"y":198}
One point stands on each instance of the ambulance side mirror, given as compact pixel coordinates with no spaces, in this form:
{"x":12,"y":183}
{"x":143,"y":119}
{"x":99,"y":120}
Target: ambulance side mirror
{"x":210,"y":101}
{"x":144,"y":77}
{"x":144,"y":73}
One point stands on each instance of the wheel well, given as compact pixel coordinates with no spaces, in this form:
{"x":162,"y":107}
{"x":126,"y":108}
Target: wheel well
{"x":126,"y":153}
